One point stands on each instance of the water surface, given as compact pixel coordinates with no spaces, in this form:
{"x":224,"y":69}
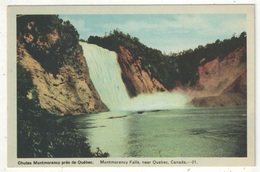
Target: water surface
{"x":197,"y":132}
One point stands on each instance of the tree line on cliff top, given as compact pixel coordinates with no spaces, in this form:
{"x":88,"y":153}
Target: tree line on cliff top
{"x":175,"y":67}
{"x":50,"y":52}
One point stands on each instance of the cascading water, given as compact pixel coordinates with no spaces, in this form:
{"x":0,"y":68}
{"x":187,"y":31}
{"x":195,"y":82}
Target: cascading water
{"x":105,"y":74}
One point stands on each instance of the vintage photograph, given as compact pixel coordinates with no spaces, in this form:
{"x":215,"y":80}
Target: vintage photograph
{"x":117,"y":85}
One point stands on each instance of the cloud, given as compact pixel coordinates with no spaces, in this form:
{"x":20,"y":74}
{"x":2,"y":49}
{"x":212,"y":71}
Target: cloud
{"x":236,"y":25}
{"x":163,"y":31}
{"x":79,"y":23}
{"x":181,"y":23}
{"x":130,"y":26}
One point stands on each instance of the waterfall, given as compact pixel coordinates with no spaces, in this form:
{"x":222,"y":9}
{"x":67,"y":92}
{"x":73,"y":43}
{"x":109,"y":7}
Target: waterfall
{"x":105,"y":74}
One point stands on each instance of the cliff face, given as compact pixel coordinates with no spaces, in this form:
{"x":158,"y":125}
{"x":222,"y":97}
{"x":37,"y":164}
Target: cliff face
{"x":136,"y":80}
{"x":221,"y":82}
{"x":49,"y":49}
{"x":57,"y":67}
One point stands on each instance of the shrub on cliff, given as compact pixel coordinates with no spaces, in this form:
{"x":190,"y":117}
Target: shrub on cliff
{"x":50,"y":40}
{"x":41,"y":134}
{"x":189,"y":60}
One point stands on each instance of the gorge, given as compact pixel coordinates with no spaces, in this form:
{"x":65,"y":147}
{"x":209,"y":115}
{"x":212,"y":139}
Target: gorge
{"x":92,"y":91}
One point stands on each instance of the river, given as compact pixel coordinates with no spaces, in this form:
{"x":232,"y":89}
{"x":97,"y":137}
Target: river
{"x":190,"y":132}
{"x":180,"y":132}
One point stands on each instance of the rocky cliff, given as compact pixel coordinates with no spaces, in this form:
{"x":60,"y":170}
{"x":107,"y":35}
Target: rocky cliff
{"x":221,"y":82}
{"x":48,"y":48}
{"x":137,"y":80}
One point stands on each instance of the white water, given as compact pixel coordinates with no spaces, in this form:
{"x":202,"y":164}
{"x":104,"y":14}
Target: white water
{"x":105,"y":74}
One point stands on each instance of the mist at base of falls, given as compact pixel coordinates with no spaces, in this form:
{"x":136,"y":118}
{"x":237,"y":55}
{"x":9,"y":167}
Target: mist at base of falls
{"x":105,"y":74}
{"x":156,"y":101}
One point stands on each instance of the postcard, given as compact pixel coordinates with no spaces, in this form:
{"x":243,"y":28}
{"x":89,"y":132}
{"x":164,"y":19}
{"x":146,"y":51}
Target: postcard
{"x":131,"y":86}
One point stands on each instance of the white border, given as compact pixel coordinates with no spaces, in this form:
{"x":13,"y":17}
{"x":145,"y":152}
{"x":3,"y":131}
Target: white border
{"x":3,"y":77}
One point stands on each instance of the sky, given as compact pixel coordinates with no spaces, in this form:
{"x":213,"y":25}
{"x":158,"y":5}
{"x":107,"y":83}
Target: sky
{"x":165,"y":32}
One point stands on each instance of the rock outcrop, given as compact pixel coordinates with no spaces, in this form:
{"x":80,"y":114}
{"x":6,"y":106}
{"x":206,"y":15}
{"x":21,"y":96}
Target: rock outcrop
{"x":57,"y":67}
{"x":137,"y":80}
{"x":222,"y":82}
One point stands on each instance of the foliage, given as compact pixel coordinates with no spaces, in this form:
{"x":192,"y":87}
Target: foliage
{"x":41,"y":134}
{"x":189,"y":60}
{"x":53,"y":43}
{"x":169,"y":69}
{"x":152,"y":59}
